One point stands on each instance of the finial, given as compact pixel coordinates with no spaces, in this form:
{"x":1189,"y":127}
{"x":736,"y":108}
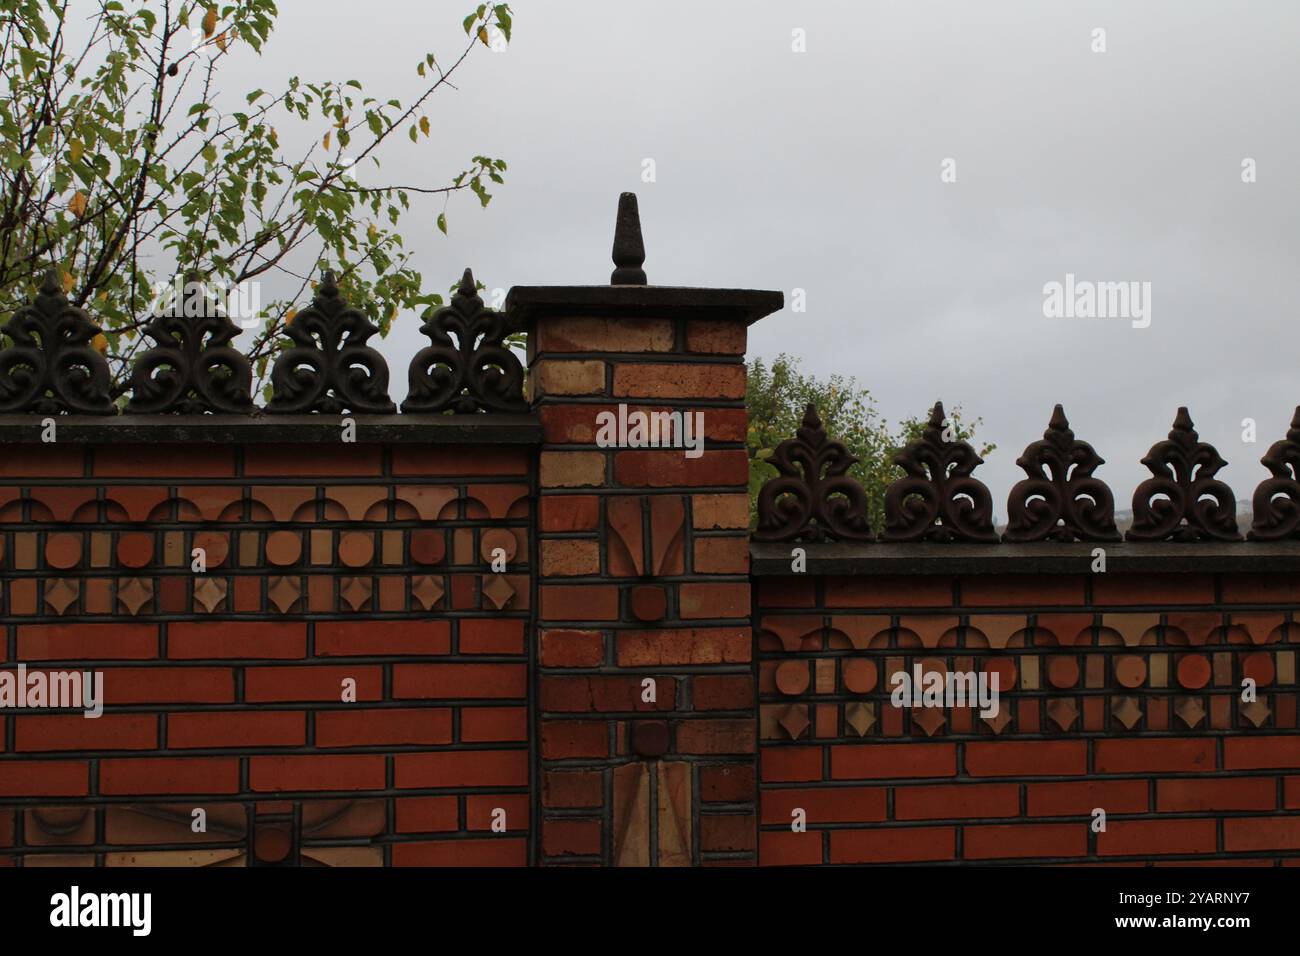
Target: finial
{"x":629,"y":250}
{"x":468,"y":287}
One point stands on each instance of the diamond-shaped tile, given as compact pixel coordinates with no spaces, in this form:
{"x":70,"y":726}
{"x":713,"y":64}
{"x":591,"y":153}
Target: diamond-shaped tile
{"x":284,"y":593}
{"x":1062,"y":712}
{"x":62,"y":594}
{"x":356,"y":592}
{"x":209,"y":594}
{"x":1256,"y":712}
{"x":1126,"y":711}
{"x":795,"y":720}
{"x":861,"y":716}
{"x":998,"y":722}
{"x":929,"y":719}
{"x":498,"y":591}
{"x":427,"y":590}
{"x":1190,"y":711}
{"x":134,"y":593}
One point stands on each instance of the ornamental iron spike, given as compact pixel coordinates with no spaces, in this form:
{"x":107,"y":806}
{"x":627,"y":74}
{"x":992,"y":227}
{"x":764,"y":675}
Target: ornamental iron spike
{"x":1277,"y":499}
{"x":52,"y":365}
{"x":813,"y":498}
{"x":1060,"y":500}
{"x":629,"y":249}
{"x":330,"y":369}
{"x":1183,"y":501}
{"x":938,"y":499}
{"x":475,"y":372}
{"x":193,"y":368}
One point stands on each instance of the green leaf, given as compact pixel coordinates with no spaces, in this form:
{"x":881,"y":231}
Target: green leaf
{"x":442,"y":222}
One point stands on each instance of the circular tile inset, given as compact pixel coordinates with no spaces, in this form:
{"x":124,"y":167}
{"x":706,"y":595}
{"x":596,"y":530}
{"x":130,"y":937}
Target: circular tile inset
{"x":1005,"y":668}
{"x":649,"y":603}
{"x":1062,"y":671}
{"x":215,"y":545}
{"x":63,"y":550}
{"x":134,"y":549}
{"x":859,"y":674}
{"x":356,"y":549}
{"x":283,"y":548}
{"x":494,"y":539}
{"x":428,"y":547}
{"x":1130,"y":670}
{"x":1259,"y":668}
{"x":792,"y":677}
{"x":1193,"y":671}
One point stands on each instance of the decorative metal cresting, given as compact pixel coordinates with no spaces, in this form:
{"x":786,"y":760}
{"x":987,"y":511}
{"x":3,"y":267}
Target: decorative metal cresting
{"x":1060,"y":500}
{"x":1277,"y":499}
{"x":812,"y":499}
{"x":193,"y":368}
{"x":938,"y":499}
{"x":475,"y":372}
{"x":330,"y":369}
{"x":1183,"y":501}
{"x":52,"y":367}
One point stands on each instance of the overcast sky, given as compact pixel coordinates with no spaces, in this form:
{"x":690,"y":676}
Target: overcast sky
{"x":821,"y":171}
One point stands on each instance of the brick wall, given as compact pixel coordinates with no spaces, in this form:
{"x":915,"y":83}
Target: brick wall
{"x":224,"y":689}
{"x":1125,"y":695}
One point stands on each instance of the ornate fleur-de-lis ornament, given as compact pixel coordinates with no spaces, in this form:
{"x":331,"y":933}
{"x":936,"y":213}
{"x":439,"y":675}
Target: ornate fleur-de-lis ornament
{"x":938,"y":499}
{"x":1277,"y":499}
{"x":330,"y":368}
{"x":52,"y":367}
{"x":813,"y":498}
{"x":1183,"y":501}
{"x":1060,"y":500}
{"x":474,"y":372}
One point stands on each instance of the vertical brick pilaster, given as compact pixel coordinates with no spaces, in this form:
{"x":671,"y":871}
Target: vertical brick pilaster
{"x":645,"y":694}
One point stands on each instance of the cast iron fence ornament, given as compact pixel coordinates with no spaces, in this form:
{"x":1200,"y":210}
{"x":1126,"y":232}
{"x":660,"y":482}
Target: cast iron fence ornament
{"x":1060,"y":500}
{"x":330,"y":369}
{"x":938,"y":499}
{"x":475,"y":372}
{"x":1183,"y":501}
{"x":193,"y":368}
{"x":629,"y":248}
{"x":813,"y":498}
{"x":1276,"y":504}
{"x":52,"y":366}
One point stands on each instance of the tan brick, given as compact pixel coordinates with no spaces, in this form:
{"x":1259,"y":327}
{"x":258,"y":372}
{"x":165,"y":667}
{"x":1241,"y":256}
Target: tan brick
{"x":572,"y":469}
{"x":720,"y":511}
{"x":653,"y":380}
{"x":722,"y":555}
{"x":605,"y":335}
{"x":568,"y":378}
{"x":570,"y":557}
{"x":716,"y":336}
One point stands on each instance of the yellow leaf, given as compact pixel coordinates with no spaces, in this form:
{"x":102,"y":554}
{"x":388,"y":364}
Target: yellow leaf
{"x":392,"y":315}
{"x":69,"y":280}
{"x":103,"y":297}
{"x":483,"y":36}
{"x":75,"y":149}
{"x":77,"y":204}
{"x":424,"y":125}
{"x":326,"y":141}
{"x":223,"y":39}
{"x":288,"y":316}
{"x":372,"y":233}
{"x":210,"y":22}
{"x":100,"y":342}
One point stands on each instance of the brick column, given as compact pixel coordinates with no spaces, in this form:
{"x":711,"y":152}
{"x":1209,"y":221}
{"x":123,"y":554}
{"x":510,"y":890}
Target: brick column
{"x":645,"y":695}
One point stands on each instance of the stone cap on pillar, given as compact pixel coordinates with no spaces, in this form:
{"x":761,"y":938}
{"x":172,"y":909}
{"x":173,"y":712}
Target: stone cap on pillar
{"x":628,"y":293}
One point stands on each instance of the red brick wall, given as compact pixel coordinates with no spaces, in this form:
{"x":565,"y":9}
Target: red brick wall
{"x":1125,"y":695}
{"x":224,"y":689}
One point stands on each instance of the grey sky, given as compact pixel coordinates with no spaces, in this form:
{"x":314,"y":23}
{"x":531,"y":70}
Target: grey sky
{"x":821,"y":171}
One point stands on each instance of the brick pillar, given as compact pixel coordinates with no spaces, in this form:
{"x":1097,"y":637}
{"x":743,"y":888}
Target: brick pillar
{"x":645,"y":694}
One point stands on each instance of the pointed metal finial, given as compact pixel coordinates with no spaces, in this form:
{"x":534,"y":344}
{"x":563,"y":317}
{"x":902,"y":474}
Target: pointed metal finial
{"x":629,"y":250}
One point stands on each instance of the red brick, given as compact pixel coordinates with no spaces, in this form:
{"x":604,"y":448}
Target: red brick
{"x":720,"y":511}
{"x":571,"y":837}
{"x":573,"y":789}
{"x":491,"y":636}
{"x":1242,"y":793}
{"x":1038,"y":590}
{"x":489,"y":724}
{"x":1036,"y":758}
{"x":1154,"y":756}
{"x":270,"y":684}
{"x":1081,"y":797}
{"x":382,"y":638}
{"x":169,"y":685}
{"x":786,"y":593}
{"x":479,"y":810}
{"x":1153,"y":589}
{"x":885,"y":591}
{"x":726,"y":833}
{"x":569,"y":513}
{"x":696,"y":645}
{"x":722,"y":556}
{"x":458,"y":461}
{"x":44,"y":778}
{"x":893,"y":845}
{"x":603,"y":694}
{"x":462,"y":768}
{"x":250,"y":640}
{"x":1257,"y":753}
{"x":714,"y":600}
{"x":316,"y":772}
{"x":574,"y":602}
{"x":733,"y":783}
{"x":656,"y":380}
{"x":256,"y":728}
{"x":874,"y":761}
{"x":297,"y":459}
{"x":147,"y":775}
{"x":460,"y":681}
{"x":722,"y":692}
{"x":672,"y":469}
{"x":592,"y":334}
{"x":786,"y":848}
{"x":87,"y":642}
{"x":167,"y":461}
{"x":395,"y":726}
{"x":497,"y":851}
{"x":1156,"y":837}
{"x":427,"y":814}
{"x":1261,"y":833}
{"x":563,"y":739}
{"x":44,"y":461}
{"x":75,"y":732}
{"x":1018,"y":841}
{"x":716,"y":336}
{"x":1261,"y":588}
{"x":957,"y":801}
{"x":824,"y":805}
{"x":790,"y":764}
{"x":569,"y":557}
{"x":715,"y":736}
{"x":561,"y":648}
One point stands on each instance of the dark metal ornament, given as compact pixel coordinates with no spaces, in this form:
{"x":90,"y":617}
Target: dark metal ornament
{"x":477,"y":372}
{"x":330,"y":369}
{"x":629,"y":248}
{"x":51,"y":366}
{"x":813,"y":499}
{"x":1183,"y":501}
{"x":938,"y":500}
{"x":193,"y":369}
{"x":1277,"y":500}
{"x":1060,"y":500}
